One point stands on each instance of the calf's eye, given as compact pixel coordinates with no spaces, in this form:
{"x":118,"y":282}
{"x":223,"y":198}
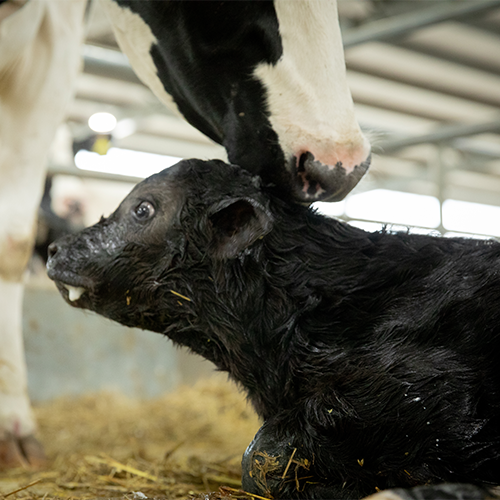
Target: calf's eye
{"x":144,"y":211}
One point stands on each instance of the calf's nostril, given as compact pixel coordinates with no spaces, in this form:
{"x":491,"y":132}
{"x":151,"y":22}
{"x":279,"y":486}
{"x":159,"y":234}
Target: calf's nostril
{"x":52,"y":250}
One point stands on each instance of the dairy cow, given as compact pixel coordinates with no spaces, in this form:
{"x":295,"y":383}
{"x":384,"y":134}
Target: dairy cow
{"x":265,"y":79}
{"x":39,"y":60}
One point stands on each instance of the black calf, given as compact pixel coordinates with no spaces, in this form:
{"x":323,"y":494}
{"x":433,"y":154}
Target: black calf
{"x":371,"y":357}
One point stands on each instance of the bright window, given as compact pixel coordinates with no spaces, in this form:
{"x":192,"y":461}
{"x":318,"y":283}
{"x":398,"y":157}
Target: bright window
{"x":394,"y":207}
{"x":124,"y":162}
{"x":334,"y":209}
{"x":471,"y":217}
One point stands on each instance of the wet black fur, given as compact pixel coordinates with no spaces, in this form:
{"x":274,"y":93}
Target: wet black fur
{"x":371,"y":357}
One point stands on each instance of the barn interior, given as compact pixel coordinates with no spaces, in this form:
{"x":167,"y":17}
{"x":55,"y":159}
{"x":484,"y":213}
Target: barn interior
{"x":425,"y":79}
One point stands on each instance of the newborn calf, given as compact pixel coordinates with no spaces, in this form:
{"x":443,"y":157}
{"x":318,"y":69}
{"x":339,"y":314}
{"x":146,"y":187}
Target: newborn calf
{"x":372,"y":358}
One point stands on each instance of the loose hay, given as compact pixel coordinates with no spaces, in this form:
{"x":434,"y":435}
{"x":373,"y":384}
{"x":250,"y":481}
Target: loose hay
{"x":185,"y":444}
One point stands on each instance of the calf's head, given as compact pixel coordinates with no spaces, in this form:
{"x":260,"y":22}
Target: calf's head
{"x":144,"y":264}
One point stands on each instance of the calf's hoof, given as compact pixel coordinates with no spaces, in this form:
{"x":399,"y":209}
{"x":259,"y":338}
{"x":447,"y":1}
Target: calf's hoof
{"x":21,"y":452}
{"x":273,"y":467}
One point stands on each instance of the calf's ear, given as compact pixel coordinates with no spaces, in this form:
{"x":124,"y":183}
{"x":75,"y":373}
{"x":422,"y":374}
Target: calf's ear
{"x":236,"y":224}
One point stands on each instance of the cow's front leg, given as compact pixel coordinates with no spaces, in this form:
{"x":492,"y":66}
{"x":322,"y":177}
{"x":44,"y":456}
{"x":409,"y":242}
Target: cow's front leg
{"x":18,"y":447}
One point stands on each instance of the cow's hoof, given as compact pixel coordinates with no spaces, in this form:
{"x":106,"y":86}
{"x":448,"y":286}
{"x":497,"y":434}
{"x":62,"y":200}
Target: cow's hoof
{"x":24,"y":452}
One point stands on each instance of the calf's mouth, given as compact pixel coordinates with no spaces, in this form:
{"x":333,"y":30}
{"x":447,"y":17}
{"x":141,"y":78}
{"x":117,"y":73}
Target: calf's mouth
{"x":74,"y":292}
{"x":71,"y":286}
{"x":73,"y":295}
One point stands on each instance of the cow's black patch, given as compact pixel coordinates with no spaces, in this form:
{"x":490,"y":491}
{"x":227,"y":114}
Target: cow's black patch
{"x":205,"y":57}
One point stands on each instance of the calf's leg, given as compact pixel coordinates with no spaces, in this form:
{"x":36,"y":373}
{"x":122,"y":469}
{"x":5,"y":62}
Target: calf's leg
{"x":280,"y":465}
{"x":283,"y":462}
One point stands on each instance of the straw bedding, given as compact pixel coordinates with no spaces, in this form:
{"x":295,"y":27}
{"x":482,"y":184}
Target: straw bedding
{"x":185,"y":444}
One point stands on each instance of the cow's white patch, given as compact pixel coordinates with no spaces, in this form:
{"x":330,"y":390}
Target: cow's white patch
{"x":310,"y":104}
{"x":135,"y":39}
{"x":15,"y":413}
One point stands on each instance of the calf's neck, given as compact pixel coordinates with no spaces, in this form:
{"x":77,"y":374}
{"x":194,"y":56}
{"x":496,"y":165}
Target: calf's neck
{"x":372,"y":358}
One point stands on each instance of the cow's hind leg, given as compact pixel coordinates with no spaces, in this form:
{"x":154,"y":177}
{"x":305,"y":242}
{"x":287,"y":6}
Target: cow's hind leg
{"x":39,"y":60}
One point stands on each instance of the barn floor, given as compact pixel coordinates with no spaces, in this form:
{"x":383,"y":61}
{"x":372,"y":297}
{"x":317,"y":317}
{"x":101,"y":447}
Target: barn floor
{"x":184,"y":444}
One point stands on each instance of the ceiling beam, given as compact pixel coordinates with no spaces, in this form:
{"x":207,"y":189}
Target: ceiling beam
{"x":400,"y":25}
{"x":437,"y":85}
{"x":442,"y":134}
{"x":444,"y":54}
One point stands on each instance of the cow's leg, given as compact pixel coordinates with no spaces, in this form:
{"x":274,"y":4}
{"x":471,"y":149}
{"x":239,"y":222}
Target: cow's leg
{"x":17,"y":444}
{"x":39,"y":60}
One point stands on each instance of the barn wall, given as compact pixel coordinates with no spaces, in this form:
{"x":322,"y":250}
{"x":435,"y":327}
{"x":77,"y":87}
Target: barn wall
{"x":71,"y":352}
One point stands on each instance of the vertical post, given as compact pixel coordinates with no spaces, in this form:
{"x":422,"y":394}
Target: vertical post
{"x":438,"y":164}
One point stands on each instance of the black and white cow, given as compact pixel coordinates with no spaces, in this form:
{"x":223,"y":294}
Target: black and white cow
{"x":372,"y":358}
{"x":265,"y":79}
